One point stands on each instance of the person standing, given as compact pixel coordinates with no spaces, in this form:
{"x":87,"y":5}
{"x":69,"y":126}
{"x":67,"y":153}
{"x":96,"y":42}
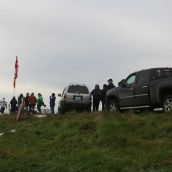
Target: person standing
{"x":13,"y":104}
{"x":40,"y":102}
{"x":52,"y":102}
{"x":110,"y":84}
{"x":20,"y":100}
{"x":3,"y":105}
{"x":32,"y":103}
{"x":96,"y":93}
{"x":103,"y":96}
{"x":27,"y":103}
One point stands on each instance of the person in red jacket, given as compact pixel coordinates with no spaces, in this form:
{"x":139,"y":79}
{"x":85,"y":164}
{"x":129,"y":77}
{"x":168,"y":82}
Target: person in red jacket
{"x":32,"y":103}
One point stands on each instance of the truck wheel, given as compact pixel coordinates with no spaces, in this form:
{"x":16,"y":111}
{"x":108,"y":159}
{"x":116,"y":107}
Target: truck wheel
{"x":167,"y":104}
{"x":113,"y":107}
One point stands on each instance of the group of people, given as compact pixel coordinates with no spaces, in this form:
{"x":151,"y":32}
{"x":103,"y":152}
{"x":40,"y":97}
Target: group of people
{"x":99,"y":95}
{"x":29,"y":103}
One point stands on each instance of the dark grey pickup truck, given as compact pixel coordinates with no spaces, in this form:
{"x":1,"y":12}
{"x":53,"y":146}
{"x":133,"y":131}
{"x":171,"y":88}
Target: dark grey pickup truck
{"x":145,"y":89}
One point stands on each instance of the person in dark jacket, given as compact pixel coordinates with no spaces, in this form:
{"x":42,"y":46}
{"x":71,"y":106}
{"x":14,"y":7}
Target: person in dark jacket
{"x":13,"y":104}
{"x":110,"y":84}
{"x":103,"y":96}
{"x":27,"y":103}
{"x":52,"y":102}
{"x":20,"y":100}
{"x":96,"y":93}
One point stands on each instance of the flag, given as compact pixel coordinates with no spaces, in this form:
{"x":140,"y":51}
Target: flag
{"x":16,"y":72}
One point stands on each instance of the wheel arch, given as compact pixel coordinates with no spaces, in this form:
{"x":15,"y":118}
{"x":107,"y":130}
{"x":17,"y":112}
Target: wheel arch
{"x":164,"y":91}
{"x":108,"y":100}
{"x":110,"y":97}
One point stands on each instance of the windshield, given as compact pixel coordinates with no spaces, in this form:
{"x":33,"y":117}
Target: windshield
{"x":78,"y":89}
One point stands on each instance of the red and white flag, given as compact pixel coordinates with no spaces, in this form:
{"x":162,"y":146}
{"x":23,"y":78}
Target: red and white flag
{"x":16,"y":72}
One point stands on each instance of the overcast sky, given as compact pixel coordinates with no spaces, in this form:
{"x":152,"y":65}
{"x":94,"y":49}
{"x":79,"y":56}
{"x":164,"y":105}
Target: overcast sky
{"x":80,"y":41}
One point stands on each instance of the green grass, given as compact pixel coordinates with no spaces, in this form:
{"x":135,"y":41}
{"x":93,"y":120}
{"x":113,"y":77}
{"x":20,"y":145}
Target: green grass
{"x":100,"y":142}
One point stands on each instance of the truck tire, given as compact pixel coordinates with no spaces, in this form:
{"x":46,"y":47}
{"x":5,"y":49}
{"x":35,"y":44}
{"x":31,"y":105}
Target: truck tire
{"x":167,"y":103}
{"x":113,"y":105}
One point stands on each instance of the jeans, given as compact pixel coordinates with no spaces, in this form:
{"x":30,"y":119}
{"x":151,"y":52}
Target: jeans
{"x":39,"y":108}
{"x":52,"y":110}
{"x":27,"y":108}
{"x":96,"y":105}
{"x":32,"y":108}
{"x":2,"y":110}
{"x":103,"y":105}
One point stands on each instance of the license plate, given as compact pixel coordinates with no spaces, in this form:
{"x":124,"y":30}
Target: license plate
{"x":77,"y":98}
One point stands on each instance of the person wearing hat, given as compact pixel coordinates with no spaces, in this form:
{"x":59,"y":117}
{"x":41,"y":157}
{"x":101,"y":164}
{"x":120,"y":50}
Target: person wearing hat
{"x":110,"y":84}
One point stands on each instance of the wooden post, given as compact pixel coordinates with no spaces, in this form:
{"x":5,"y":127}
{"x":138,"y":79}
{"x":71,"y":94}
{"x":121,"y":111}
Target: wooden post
{"x":18,"y":117}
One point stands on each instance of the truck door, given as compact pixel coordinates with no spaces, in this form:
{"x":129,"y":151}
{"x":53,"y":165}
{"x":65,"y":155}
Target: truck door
{"x":141,"y":89}
{"x":126,"y":94}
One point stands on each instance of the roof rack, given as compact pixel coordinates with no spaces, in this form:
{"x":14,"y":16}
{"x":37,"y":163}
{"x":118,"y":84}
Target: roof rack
{"x":70,"y":84}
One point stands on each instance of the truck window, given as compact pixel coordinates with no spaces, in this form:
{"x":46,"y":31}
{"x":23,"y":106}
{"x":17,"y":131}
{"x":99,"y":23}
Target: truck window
{"x":167,"y":73}
{"x":161,"y":73}
{"x":143,"y":77}
{"x":78,"y":89}
{"x":130,"y":80}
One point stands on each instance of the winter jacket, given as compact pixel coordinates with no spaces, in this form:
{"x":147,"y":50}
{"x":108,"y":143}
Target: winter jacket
{"x":27,"y":101}
{"x":96,"y":93}
{"x":3,"y":103}
{"x":40,"y":101}
{"x":103,"y":94}
{"x":32,"y":100}
{"x":110,"y":86}
{"x":52,"y":101}
{"x":13,"y":102}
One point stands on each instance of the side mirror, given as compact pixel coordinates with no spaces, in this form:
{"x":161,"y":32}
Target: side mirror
{"x":121,"y":83}
{"x":59,"y":95}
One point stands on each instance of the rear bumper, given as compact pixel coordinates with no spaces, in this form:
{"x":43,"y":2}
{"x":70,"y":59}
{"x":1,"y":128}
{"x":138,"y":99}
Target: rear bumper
{"x":76,"y":105}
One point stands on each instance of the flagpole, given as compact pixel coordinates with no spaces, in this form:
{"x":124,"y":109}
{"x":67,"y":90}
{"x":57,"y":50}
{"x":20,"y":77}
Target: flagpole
{"x":14,"y":92}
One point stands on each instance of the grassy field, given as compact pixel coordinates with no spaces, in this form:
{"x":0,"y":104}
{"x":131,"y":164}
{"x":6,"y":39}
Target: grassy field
{"x":100,"y":142}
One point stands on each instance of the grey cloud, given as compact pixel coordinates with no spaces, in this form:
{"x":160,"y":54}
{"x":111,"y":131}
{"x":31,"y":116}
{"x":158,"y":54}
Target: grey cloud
{"x":59,"y":42}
